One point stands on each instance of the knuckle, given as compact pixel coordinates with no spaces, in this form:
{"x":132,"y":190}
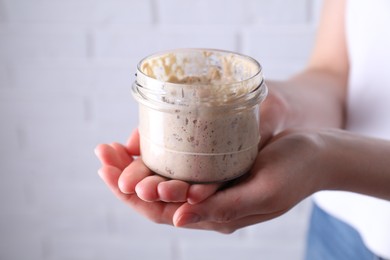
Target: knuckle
{"x":225,"y":215}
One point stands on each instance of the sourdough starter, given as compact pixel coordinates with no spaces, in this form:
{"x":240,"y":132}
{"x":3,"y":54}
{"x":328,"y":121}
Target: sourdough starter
{"x":200,"y":126}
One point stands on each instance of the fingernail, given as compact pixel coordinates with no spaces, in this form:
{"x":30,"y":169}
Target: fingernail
{"x":187,"y":219}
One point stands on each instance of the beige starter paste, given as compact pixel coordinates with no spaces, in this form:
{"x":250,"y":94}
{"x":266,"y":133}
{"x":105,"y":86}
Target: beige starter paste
{"x":199,"y":143}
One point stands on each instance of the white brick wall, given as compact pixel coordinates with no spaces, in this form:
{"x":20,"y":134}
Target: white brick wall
{"x":66,"y":67}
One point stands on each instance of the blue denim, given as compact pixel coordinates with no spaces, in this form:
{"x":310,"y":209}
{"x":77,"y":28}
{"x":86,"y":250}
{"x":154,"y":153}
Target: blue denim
{"x":329,"y":238}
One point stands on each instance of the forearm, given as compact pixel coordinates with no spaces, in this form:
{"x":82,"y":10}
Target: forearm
{"x":356,"y":163}
{"x":313,"y":98}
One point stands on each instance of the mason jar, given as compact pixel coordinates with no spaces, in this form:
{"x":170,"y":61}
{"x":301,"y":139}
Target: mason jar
{"x":199,"y":113}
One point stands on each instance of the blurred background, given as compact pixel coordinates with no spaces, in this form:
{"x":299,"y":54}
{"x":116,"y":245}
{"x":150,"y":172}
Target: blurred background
{"x":66,"y":67}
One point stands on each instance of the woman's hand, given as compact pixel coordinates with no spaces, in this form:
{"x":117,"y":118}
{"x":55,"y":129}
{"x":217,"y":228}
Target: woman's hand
{"x":287,"y":170}
{"x":132,"y":182}
{"x":282,"y":175}
{"x":290,"y":167}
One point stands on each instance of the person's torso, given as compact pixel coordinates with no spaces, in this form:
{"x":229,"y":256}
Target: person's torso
{"x":368,"y":113}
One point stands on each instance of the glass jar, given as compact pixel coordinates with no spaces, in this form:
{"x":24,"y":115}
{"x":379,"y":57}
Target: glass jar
{"x":199,"y":113}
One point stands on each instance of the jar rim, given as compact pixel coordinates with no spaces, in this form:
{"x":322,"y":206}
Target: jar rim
{"x":144,"y":76}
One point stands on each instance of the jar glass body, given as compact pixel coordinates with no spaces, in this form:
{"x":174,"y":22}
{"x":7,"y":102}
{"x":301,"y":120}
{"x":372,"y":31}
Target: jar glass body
{"x":204,"y":128}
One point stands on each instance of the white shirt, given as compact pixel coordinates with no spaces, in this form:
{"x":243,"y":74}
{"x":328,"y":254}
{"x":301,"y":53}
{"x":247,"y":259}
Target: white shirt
{"x":368,"y":113}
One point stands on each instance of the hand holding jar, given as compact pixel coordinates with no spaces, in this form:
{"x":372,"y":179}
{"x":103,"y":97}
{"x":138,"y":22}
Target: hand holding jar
{"x":199,"y":123}
{"x":290,"y":166}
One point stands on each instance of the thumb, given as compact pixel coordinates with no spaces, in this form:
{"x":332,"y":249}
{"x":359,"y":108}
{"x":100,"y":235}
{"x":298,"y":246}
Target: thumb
{"x":266,"y":133}
{"x":223,"y":207}
{"x":133,"y":144}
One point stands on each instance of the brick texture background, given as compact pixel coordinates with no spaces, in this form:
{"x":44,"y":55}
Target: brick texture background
{"x":66,"y":67}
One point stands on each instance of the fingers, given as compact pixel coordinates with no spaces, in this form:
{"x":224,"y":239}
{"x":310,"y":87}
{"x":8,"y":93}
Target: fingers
{"x":173,"y":191}
{"x":164,"y":213}
{"x":133,"y":145}
{"x":158,"y":212}
{"x":266,"y":133}
{"x":137,"y":178}
{"x":230,"y":227}
{"x":114,"y":155}
{"x":199,"y":192}
{"x":147,"y":190}
{"x":180,"y":191}
{"x":209,"y":211}
{"x":273,"y":113}
{"x":108,"y":156}
{"x":110,"y":176}
{"x":132,"y":175}
{"x":158,"y":188}
{"x":223,"y":207}
{"x":122,"y":154}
